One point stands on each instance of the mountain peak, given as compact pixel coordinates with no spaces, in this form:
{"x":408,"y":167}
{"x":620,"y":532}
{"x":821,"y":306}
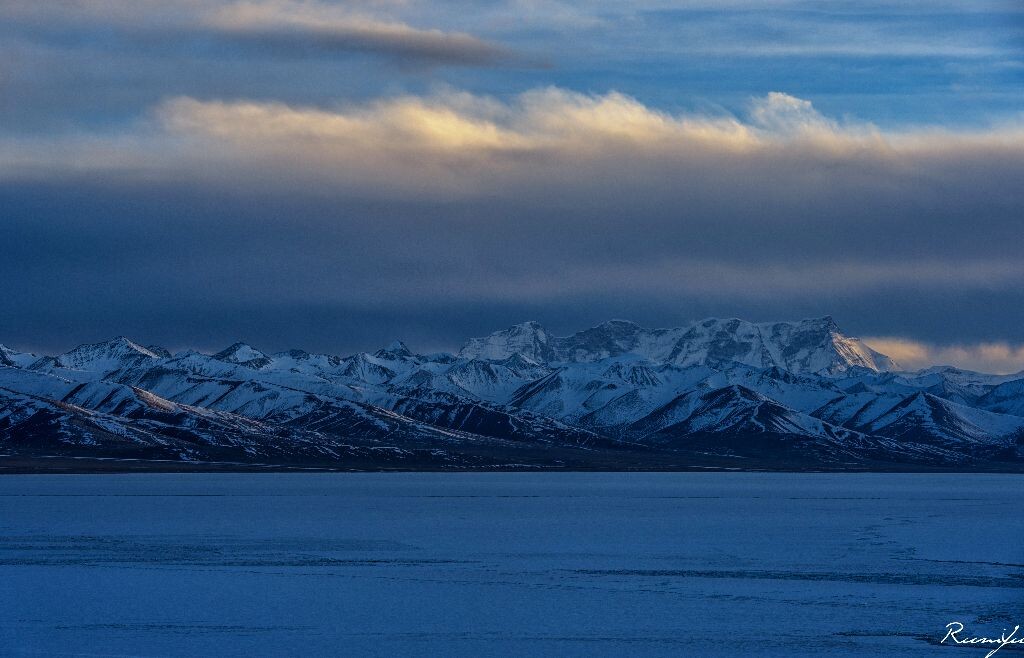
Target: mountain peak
{"x":15,"y":359}
{"x":118,"y":346}
{"x":398,"y":346}
{"x":107,"y":356}
{"x":161,"y":352}
{"x":529,"y":339}
{"x":814,"y":345}
{"x":714,"y":387}
{"x":818,"y":345}
{"x":825,"y":323}
{"x":395,"y":350}
{"x":243,"y":354}
{"x":517,"y":360}
{"x":125,"y":345}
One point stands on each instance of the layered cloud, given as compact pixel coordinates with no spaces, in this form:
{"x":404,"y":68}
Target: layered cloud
{"x":544,"y":123}
{"x":397,"y":215}
{"x":455,"y":142}
{"x":474,"y":137}
{"x":309,"y":166}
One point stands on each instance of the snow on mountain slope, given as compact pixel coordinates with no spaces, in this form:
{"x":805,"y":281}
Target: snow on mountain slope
{"x":41,"y":427}
{"x":244,"y":355}
{"x":736,"y":408}
{"x":300,"y":361}
{"x":38,"y":425}
{"x":94,"y":361}
{"x":572,"y":391}
{"x":610,"y":339}
{"x":923,"y":415}
{"x":878,"y":382}
{"x":115,"y":421}
{"x":16,"y":359}
{"x":954,"y":384}
{"x":495,"y":381}
{"x":740,"y":422}
{"x":1006,"y":398}
{"x":272,"y":393}
{"x":365,"y":368}
{"x":803,"y":393}
{"x":493,"y":421}
{"x":714,"y":387}
{"x":528,"y":339}
{"x":31,"y":382}
{"x":104,"y":397}
{"x":961,"y":377}
{"x":291,"y":396}
{"x":609,"y":393}
{"x":667,"y":414}
{"x":201,"y":380}
{"x":856,"y":409}
{"x":395,"y":351}
{"x":641,"y":375}
{"x":120,"y":419}
{"x":808,"y":346}
{"x":618,"y":391}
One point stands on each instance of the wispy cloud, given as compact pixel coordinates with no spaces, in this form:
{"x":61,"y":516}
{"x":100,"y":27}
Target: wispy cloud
{"x":307,"y":27}
{"x":300,"y":28}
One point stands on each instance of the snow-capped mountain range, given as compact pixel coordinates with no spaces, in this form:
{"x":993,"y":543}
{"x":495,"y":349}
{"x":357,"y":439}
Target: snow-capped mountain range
{"x":716,"y":393}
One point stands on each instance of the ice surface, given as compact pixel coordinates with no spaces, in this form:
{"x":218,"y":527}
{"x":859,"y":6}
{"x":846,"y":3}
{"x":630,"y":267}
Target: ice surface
{"x":506,"y":564}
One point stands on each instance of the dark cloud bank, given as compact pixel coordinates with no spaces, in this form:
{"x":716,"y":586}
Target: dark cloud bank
{"x":337,"y":225}
{"x":931,"y":252}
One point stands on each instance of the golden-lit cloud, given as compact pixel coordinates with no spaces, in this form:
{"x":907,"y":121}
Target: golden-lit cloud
{"x":553,"y":119}
{"x":544,"y":120}
{"x":457,"y":143}
{"x":406,"y":124}
{"x":460,"y":143}
{"x":999,"y":357}
{"x":551,"y":197}
{"x":547,"y":140}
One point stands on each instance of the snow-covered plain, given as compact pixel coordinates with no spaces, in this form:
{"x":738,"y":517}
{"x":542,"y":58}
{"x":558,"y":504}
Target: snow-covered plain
{"x":507,"y":563}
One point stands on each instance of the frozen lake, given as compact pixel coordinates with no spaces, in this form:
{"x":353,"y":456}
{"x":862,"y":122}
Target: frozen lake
{"x":489,"y":564}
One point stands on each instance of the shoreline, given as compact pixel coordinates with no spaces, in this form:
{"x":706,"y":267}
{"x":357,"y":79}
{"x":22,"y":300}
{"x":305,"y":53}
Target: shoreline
{"x":59,"y":465}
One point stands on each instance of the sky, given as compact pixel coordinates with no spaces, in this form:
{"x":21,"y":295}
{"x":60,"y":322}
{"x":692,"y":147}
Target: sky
{"x":332,"y":176}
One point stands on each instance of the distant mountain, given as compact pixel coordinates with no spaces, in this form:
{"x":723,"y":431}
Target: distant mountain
{"x":809,"y":346}
{"x":15,"y":359}
{"x":98,"y":358}
{"x":244,"y":355}
{"x":716,"y":393}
